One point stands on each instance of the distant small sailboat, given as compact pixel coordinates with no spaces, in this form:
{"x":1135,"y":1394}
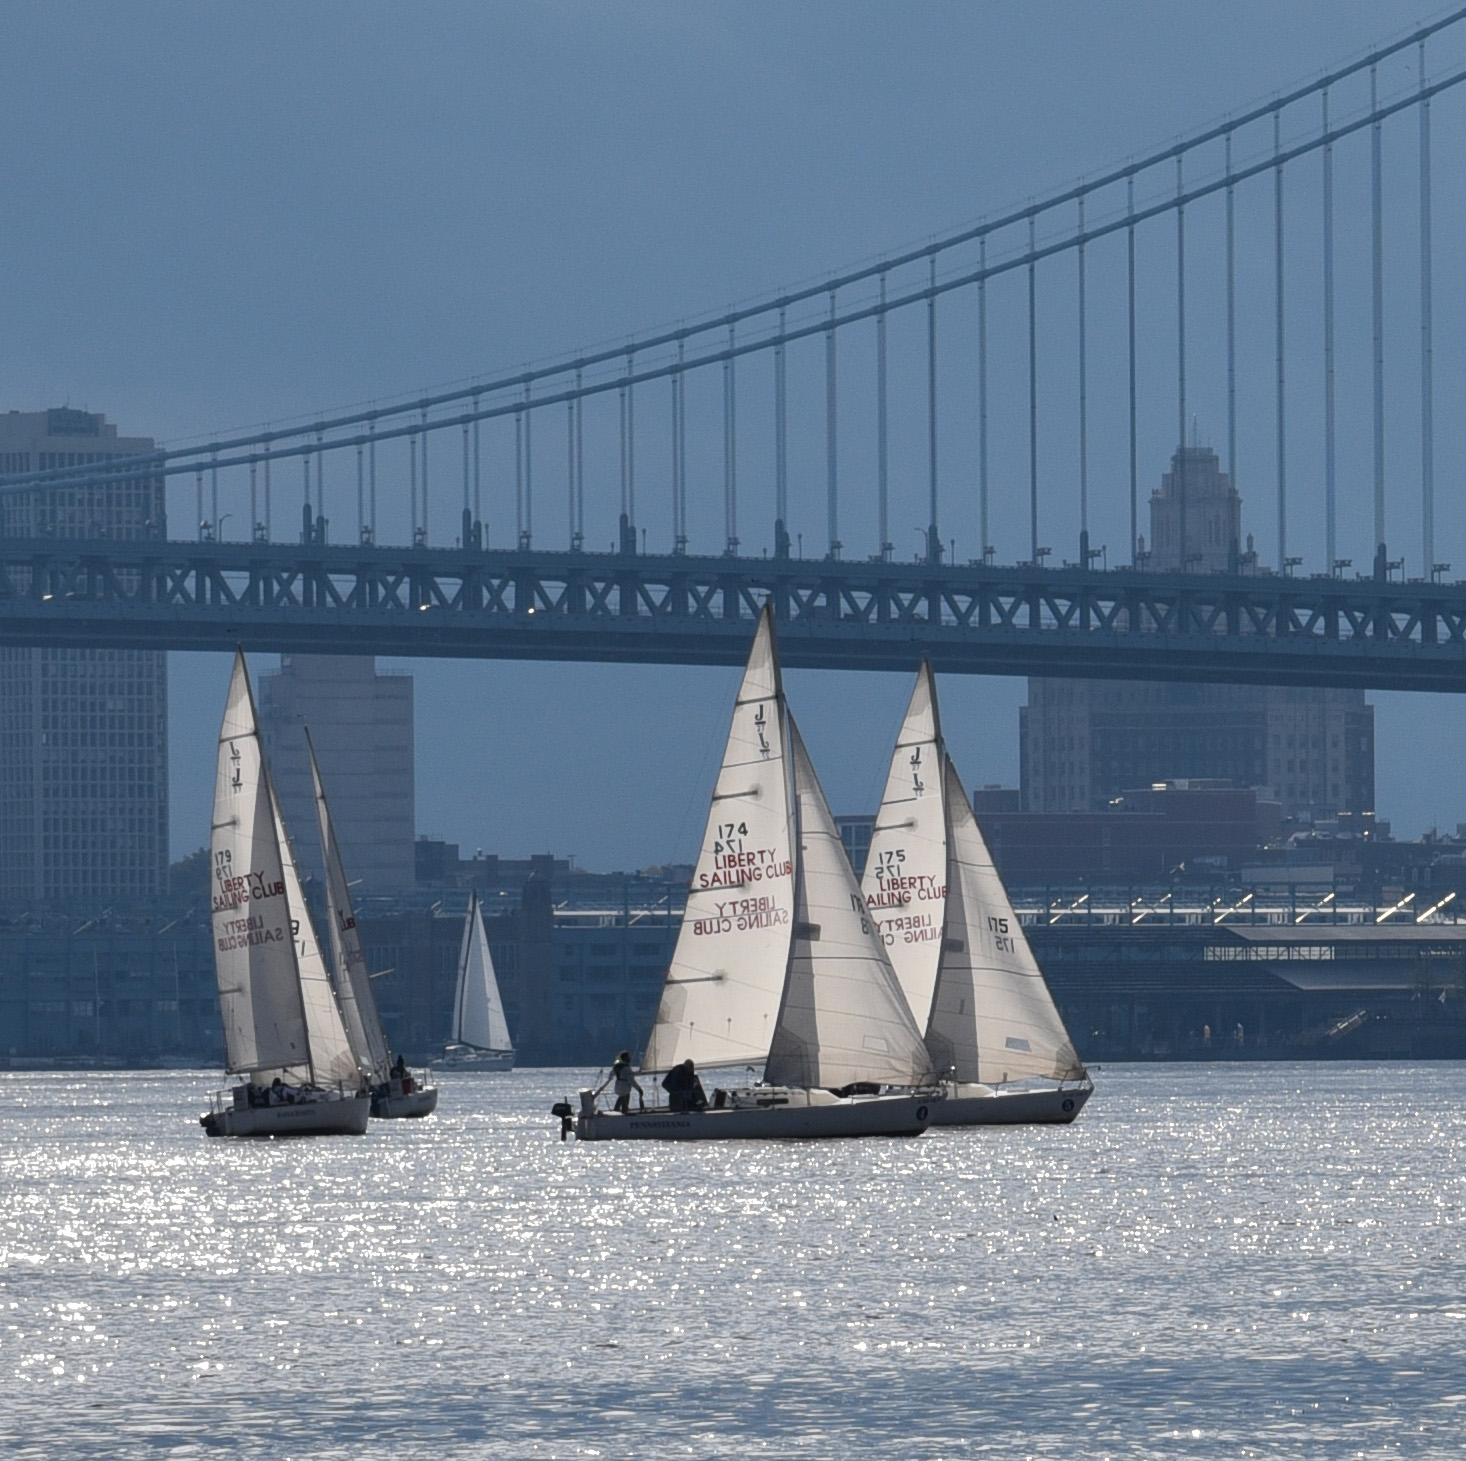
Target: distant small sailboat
{"x":282,"y":1025}
{"x":992,"y":1028}
{"x":776,"y":963}
{"x":480,"y":1031}
{"x":395,"y":1091}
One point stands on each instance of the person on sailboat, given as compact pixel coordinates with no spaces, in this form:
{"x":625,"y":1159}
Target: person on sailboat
{"x":624,"y":1079}
{"x":684,"y":1089}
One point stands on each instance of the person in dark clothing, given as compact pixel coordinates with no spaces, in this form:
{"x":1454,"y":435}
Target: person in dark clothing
{"x":684,"y":1088}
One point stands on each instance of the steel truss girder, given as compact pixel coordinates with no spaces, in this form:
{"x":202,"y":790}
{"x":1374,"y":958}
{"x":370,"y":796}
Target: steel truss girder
{"x":1122,"y":623}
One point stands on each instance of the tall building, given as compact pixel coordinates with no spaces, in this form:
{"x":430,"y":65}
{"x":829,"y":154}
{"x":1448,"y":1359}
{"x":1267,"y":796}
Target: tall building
{"x":1082,"y":743}
{"x":361,"y":723}
{"x":83,"y":732}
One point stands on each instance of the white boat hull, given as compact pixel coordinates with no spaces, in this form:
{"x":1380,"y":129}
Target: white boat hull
{"x":978,"y":1105}
{"x":792,"y":1114}
{"x":320,"y":1114}
{"x":465,"y":1057}
{"x":394,"y":1102}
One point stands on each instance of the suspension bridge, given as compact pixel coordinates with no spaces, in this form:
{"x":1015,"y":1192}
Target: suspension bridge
{"x":1013,"y":385}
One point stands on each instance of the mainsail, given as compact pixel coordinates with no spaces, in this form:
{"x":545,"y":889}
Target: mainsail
{"x":905,"y":878}
{"x":254,"y":949}
{"x":478,"y":1012}
{"x":353,"y":979}
{"x":843,"y":1017}
{"x":722,"y":991}
{"x":948,"y":925}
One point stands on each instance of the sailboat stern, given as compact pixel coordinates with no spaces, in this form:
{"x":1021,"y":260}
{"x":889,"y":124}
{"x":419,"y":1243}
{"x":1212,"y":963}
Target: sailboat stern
{"x":969,"y":1103}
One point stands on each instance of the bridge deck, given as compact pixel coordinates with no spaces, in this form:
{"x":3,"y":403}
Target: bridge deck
{"x":349,"y":599}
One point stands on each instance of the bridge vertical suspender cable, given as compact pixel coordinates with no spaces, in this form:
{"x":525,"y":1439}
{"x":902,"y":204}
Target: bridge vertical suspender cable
{"x":1378,"y":323}
{"x":1427,"y":364}
{"x":883,"y":522}
{"x":982,"y":400}
{"x":1184,"y":546}
{"x":1330,"y":474}
{"x":1278,"y":292}
{"x":1130,"y":317}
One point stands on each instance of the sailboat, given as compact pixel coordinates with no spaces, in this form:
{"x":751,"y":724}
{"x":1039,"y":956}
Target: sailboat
{"x":480,"y":1031}
{"x":282,"y":1026}
{"x":777,"y":964}
{"x":394,"y":1091}
{"x":992,"y":1029}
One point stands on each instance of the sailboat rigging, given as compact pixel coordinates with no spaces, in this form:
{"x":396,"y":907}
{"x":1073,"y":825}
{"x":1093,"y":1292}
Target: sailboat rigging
{"x":944,"y":916}
{"x":776,"y":963}
{"x":480,"y":1038}
{"x":282,"y":1025}
{"x":395,"y":1091}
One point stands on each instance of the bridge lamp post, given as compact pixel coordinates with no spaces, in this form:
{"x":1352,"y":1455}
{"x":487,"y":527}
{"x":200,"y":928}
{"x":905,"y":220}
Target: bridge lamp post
{"x":1039,"y":554}
{"x":1289,"y":564}
{"x":1438,"y":571}
{"x":219,"y":526}
{"x":1339,"y":565}
{"x":1090,"y":554}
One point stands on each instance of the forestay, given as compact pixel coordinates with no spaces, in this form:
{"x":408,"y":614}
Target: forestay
{"x":993,"y":1018}
{"x":905,"y":878}
{"x":722,"y":991}
{"x":254,"y":952}
{"x":843,"y":1017}
{"x":353,"y":978}
{"x":478,"y":1012}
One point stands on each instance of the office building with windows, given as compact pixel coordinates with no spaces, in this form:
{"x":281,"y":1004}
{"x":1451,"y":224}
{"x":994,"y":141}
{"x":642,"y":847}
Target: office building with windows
{"x":83,"y":732}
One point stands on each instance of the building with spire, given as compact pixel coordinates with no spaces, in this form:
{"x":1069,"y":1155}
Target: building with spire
{"x":1085,"y":743}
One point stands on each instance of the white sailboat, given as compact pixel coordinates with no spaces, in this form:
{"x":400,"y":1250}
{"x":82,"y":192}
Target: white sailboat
{"x":992,"y":1028}
{"x":395,"y":1091}
{"x":282,"y":1026}
{"x":480,"y":1031}
{"x":776,"y":963}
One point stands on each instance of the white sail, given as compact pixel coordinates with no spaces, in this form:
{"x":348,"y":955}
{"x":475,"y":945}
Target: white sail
{"x":843,"y":1017}
{"x":353,"y":978}
{"x":478,"y":1012}
{"x":332,"y":1061}
{"x":254,"y":952}
{"x":993,"y":1018}
{"x":722,"y":992}
{"x":905,"y":878}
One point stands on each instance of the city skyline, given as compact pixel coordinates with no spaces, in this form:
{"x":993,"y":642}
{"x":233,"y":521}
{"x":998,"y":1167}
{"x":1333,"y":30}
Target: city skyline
{"x":527,"y":183}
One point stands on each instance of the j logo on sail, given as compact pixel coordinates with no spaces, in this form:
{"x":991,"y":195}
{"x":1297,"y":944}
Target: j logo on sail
{"x":917,"y":784}
{"x":235,"y":780}
{"x":760,"y":720}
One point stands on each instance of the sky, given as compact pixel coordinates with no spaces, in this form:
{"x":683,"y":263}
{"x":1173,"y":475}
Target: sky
{"x":223,"y":216}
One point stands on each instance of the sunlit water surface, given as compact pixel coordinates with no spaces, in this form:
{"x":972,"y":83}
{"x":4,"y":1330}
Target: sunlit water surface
{"x":1214,"y":1261}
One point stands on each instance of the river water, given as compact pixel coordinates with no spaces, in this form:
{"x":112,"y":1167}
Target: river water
{"x":1228,"y":1260}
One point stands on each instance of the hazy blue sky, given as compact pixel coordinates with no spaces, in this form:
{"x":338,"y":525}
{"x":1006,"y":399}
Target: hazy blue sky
{"x":224,"y":215}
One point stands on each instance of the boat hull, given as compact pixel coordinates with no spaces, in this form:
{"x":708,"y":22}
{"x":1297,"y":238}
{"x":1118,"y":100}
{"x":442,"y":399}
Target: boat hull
{"x":465,"y":1058}
{"x":871,"y":1116}
{"x":973,"y":1105}
{"x":391,"y":1105}
{"x":329,"y":1115}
